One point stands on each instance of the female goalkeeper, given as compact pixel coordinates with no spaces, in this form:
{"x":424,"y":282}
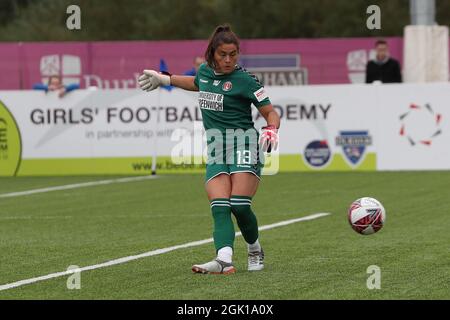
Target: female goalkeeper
{"x":233,"y":169}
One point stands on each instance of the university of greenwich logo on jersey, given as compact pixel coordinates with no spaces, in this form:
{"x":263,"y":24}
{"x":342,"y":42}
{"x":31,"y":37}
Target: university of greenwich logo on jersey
{"x":210,"y":101}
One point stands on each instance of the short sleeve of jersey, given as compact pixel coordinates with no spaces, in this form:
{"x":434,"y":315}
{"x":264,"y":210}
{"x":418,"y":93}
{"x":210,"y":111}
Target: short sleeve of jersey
{"x":256,"y":92}
{"x":197,"y":75}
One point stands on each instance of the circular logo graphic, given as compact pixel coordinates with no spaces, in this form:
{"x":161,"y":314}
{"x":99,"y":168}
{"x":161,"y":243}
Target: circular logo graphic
{"x":317,"y":153}
{"x":10,"y":143}
{"x":227,"y":86}
{"x":420,"y":124}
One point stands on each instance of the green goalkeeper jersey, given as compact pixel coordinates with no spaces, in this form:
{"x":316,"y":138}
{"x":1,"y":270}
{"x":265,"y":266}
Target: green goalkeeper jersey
{"x":225,"y":99}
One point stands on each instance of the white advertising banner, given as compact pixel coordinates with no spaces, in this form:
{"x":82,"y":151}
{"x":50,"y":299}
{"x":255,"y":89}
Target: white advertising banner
{"x":332,"y":127}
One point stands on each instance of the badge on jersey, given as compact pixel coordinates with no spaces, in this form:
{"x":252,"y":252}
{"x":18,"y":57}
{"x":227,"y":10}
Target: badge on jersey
{"x":227,"y":86}
{"x":260,"y":94}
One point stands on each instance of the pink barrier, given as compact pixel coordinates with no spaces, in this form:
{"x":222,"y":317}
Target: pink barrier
{"x":117,"y":64}
{"x":10,"y":67}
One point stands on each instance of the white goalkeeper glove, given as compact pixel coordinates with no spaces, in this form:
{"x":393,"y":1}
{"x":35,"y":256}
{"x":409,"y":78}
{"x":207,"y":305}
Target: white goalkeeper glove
{"x":269,"y":138}
{"x":151,"y":79}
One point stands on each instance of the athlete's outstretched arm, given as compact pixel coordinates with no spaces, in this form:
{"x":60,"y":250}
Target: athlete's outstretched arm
{"x":151,"y":79}
{"x":184,"y":82}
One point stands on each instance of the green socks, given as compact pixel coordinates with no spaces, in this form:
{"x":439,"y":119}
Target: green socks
{"x":240,"y":206}
{"x":223,"y":224}
{"x":246,"y":219}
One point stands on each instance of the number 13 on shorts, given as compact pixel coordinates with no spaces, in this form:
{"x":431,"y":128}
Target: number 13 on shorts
{"x":244,"y":157}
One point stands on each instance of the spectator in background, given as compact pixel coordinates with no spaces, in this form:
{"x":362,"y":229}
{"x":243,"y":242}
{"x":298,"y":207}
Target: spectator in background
{"x":55,"y":84}
{"x":383,"y":68}
{"x":197,"y":62}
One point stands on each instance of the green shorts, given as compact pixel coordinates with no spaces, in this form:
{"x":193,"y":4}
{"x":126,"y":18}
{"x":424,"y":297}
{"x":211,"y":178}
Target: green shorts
{"x":241,"y":158}
{"x":215,"y":169}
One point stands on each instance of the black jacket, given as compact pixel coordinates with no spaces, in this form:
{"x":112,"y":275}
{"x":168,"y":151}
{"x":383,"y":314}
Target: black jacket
{"x":386,"y":72}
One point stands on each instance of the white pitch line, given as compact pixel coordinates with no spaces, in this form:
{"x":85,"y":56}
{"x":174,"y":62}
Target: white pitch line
{"x":149,"y":254}
{"x":75,"y":186}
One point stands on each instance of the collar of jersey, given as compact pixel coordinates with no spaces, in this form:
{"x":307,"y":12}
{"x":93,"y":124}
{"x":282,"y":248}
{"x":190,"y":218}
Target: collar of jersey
{"x":222,"y":74}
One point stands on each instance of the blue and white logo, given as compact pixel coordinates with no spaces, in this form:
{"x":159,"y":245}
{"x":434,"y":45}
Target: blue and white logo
{"x":354,"y":144}
{"x":317,"y":153}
